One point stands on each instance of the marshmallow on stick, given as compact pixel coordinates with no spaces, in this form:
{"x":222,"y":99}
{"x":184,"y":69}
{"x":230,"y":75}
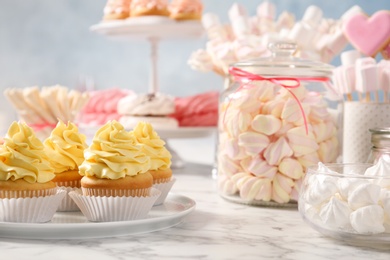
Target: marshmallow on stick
{"x":318,"y":38}
{"x":366,"y":76}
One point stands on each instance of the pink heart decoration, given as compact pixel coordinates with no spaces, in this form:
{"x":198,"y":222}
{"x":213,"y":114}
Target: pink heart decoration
{"x":369,"y":34}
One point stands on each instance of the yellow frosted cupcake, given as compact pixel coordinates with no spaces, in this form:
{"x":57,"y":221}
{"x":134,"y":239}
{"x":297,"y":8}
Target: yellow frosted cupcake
{"x":160,"y":158}
{"x":116,"y":170}
{"x":65,"y":148}
{"x":26,"y":175}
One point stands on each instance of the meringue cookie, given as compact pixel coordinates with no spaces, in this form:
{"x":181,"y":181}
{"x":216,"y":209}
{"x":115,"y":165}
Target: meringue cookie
{"x":346,"y":185}
{"x":364,"y":195}
{"x":368,"y":219}
{"x":380,"y":169}
{"x":335,"y":213}
{"x":385,"y":202}
{"x":321,"y":189}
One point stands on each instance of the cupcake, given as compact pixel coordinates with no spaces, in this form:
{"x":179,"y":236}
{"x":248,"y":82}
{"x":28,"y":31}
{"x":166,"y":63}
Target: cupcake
{"x":160,"y":158}
{"x":116,"y":9}
{"x":186,"y":9}
{"x":27,"y":192}
{"x":116,"y":184}
{"x":65,"y":148}
{"x":149,"y":7}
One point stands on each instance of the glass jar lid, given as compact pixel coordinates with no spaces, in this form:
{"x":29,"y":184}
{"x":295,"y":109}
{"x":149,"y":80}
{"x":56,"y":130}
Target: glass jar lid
{"x":380,"y":137}
{"x":283,"y":63}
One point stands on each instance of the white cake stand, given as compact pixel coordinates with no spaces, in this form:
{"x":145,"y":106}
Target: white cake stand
{"x":154,"y":29}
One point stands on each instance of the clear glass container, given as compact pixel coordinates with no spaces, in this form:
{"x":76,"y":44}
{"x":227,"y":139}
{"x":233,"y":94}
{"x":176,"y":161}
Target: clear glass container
{"x":349,"y":202}
{"x":273,"y":123}
{"x":380,"y":139}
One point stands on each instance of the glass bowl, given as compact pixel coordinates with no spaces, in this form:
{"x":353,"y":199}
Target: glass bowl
{"x":350,"y":202}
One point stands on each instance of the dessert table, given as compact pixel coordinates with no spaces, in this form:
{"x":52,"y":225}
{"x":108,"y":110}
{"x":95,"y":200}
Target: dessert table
{"x":216,"y":229}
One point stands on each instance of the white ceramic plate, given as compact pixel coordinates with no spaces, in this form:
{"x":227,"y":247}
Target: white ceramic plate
{"x":146,"y":27}
{"x":73,"y":225}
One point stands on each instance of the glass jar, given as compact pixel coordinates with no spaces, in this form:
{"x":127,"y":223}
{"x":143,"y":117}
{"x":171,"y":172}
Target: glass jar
{"x":380,"y":139}
{"x":273,"y":123}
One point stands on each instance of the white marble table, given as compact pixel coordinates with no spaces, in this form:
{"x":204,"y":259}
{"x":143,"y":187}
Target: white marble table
{"x":217,"y":229}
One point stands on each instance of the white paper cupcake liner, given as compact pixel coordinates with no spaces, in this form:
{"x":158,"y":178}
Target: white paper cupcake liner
{"x":30,"y":210}
{"x":107,"y":209}
{"x":67,"y":204}
{"x":27,"y":193}
{"x":164,"y":188}
{"x":115,"y":193}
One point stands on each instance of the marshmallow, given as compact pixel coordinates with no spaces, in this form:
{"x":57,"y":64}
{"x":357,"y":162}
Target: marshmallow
{"x":351,"y":12}
{"x":233,"y":150}
{"x":241,"y":26}
{"x":259,"y":167}
{"x":201,"y":60}
{"x":292,"y":112}
{"x":266,"y":124}
{"x":336,"y":213}
{"x":312,"y":16}
{"x":350,"y":57}
{"x":256,"y":189}
{"x":276,"y":151}
{"x":228,"y":166}
{"x":237,"y":10}
{"x":253,"y":143}
{"x":302,"y":34}
{"x":281,"y":188}
{"x":368,"y":220}
{"x":300,"y":142}
{"x":328,"y":150}
{"x":291,"y":168}
{"x":285,"y":20}
{"x":226,"y":185}
{"x":266,"y":10}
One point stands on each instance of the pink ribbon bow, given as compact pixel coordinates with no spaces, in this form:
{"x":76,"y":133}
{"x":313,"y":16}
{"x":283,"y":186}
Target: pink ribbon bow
{"x":294,"y":82}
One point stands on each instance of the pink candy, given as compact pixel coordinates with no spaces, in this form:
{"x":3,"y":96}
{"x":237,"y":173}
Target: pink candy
{"x":197,"y":110}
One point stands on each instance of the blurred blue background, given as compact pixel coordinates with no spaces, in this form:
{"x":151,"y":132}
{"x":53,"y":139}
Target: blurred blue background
{"x":46,"y":42}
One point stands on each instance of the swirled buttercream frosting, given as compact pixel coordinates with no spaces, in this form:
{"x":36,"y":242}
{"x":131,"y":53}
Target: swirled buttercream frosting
{"x":153,"y":146}
{"x":22,"y":156}
{"x":114,"y":154}
{"x":65,"y":147}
